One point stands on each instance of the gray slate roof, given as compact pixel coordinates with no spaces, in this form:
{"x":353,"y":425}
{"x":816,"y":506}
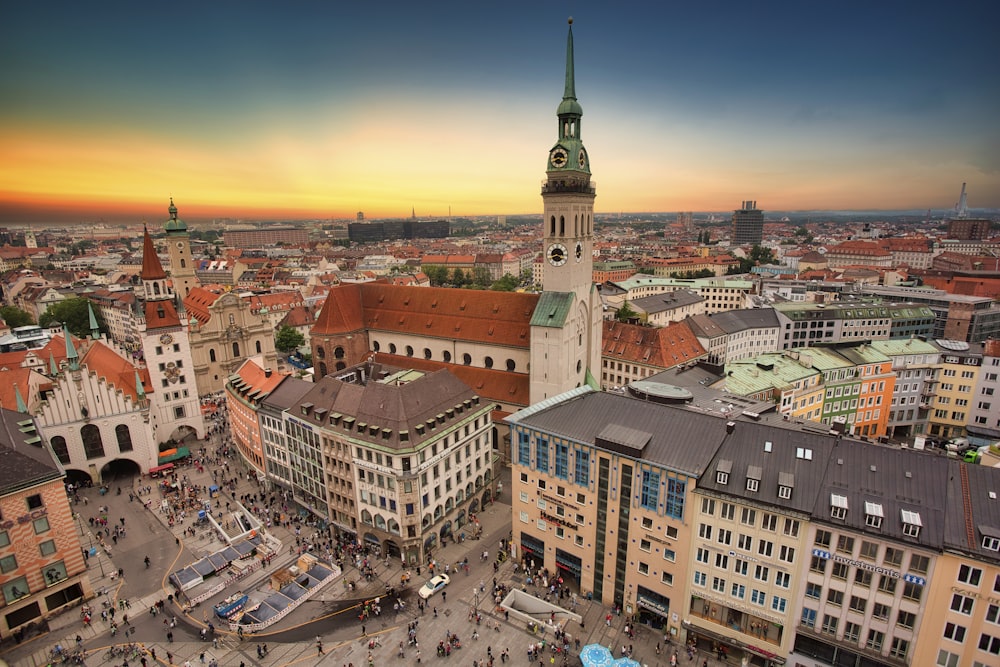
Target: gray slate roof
{"x":22,"y":463}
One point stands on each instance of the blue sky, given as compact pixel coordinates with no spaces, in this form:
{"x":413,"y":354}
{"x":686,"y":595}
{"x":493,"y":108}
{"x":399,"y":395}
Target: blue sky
{"x":322,"y":109}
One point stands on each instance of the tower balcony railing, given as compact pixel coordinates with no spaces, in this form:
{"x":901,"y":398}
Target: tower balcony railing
{"x":571,"y":184}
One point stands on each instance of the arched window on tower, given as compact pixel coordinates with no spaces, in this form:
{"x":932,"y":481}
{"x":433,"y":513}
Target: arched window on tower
{"x":59,"y":447}
{"x":93,"y":446}
{"x":211,"y":355}
{"x":183,"y":263}
{"x":156,"y":288}
{"x":322,"y":369}
{"x":124,"y":438}
{"x":552,"y":226}
{"x":258,"y":347}
{"x":236,"y":349}
{"x":562,"y":225}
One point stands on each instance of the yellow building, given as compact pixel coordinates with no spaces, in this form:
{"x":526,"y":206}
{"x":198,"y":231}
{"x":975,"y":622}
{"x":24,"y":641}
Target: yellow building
{"x":961,"y":623}
{"x":602,"y":495}
{"x":951,"y":404}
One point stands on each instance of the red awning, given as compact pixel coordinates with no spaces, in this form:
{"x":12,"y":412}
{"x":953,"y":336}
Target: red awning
{"x":163,"y":468}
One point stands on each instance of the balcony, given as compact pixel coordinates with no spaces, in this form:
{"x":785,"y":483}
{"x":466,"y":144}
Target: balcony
{"x":579,"y":185}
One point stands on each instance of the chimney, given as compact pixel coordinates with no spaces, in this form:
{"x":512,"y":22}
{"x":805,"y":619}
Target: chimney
{"x":730,"y":427}
{"x":267,"y":372}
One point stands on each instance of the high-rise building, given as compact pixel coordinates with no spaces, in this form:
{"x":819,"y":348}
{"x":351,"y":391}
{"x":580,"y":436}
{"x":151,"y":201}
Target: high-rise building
{"x":748,"y":224}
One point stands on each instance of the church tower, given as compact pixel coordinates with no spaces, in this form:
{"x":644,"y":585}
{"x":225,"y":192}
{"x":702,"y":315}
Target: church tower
{"x":566,"y":326}
{"x":174,"y":407}
{"x":179,"y":247}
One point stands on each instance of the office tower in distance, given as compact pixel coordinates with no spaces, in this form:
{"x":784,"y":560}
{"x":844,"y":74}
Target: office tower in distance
{"x":748,"y":224}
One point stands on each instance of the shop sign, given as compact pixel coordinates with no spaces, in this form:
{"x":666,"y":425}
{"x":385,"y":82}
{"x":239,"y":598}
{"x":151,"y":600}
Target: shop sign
{"x":24,"y":518}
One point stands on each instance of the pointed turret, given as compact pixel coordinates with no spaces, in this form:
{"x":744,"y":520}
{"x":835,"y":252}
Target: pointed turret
{"x":152,"y":269}
{"x":53,"y":367}
{"x":21,"y":407}
{"x":95,"y":332}
{"x":71,"y":356}
{"x":140,"y":391}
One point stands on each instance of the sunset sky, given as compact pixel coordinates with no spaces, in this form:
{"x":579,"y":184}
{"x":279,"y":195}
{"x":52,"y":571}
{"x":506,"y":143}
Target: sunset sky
{"x":266,"y":110}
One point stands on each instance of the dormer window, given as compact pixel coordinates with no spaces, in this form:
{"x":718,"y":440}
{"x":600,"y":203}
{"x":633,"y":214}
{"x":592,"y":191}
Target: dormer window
{"x":911,"y":523}
{"x":722,"y":471}
{"x":873,"y":514}
{"x":991,"y":543}
{"x":754,"y":474}
{"x":786,"y":482}
{"x":838,"y":506}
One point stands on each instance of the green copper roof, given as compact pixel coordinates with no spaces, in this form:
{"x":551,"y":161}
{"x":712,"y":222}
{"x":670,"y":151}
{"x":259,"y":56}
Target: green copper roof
{"x":94,"y":330}
{"x":569,"y":105}
{"x":174,"y":224}
{"x":71,"y":356}
{"x":552,"y":309}
{"x":21,"y":407}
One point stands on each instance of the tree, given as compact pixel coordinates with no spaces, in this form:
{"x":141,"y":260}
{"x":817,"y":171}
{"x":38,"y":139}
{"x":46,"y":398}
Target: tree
{"x":436,"y":274}
{"x":15,"y":317}
{"x":759,"y":256}
{"x":625,"y":313}
{"x":506,"y":284}
{"x":74,"y":313}
{"x":288,"y":339}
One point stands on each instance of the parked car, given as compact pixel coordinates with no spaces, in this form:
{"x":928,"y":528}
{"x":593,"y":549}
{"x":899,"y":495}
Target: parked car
{"x":433,"y":585}
{"x":958,"y":446}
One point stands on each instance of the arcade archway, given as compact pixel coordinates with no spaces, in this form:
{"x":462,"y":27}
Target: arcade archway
{"x":120,"y":472}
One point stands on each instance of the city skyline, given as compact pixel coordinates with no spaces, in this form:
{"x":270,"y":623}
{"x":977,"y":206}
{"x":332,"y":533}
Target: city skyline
{"x":257,"y":112}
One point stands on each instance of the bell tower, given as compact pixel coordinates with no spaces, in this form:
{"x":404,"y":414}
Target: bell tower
{"x":179,"y":247}
{"x":566,"y":326}
{"x":568,"y":197}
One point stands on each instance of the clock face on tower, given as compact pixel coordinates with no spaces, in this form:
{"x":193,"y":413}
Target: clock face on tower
{"x":557,"y":254}
{"x":166,"y":339}
{"x":558,"y":158}
{"x":579,"y":251}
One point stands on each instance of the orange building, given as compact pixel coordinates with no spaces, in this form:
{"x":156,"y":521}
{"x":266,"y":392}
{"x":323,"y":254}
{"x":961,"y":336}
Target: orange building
{"x":245,"y":389}
{"x":42,"y":568}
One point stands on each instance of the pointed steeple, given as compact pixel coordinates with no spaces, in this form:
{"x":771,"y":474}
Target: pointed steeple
{"x":53,"y":367}
{"x":95,"y":331}
{"x":21,"y":407}
{"x":71,"y":356}
{"x":569,"y":155}
{"x":152,"y":269}
{"x":140,"y":391}
{"x":569,"y":93}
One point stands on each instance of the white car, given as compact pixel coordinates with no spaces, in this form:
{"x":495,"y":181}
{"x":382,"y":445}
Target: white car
{"x":434,"y":585}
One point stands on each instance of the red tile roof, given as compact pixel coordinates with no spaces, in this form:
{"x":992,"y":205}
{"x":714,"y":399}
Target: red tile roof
{"x":152,"y":269}
{"x":198,"y":301}
{"x":161,"y":314}
{"x":118,"y":371}
{"x":9,"y":377}
{"x":662,"y":347}
{"x":501,"y":318}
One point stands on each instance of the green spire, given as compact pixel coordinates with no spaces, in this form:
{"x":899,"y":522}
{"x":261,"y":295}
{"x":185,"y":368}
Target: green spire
{"x":21,"y":407}
{"x":569,"y":105}
{"x":140,"y":391}
{"x":71,"y":356}
{"x":95,"y":332}
{"x":53,"y":368}
{"x":570,"y":91}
